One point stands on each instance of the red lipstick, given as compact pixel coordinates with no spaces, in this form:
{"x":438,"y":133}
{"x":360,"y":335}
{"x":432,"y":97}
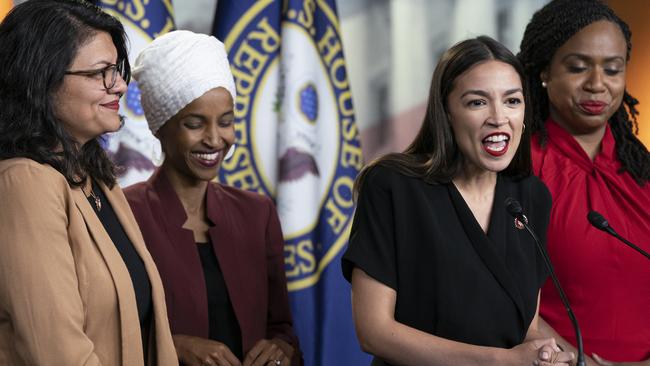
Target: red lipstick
{"x":114,"y":105}
{"x":593,"y":107}
{"x":496,"y":144}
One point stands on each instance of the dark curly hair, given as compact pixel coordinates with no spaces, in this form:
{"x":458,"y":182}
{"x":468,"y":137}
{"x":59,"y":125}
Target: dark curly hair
{"x":434,"y":155}
{"x":39,"y":40}
{"x":548,"y":30}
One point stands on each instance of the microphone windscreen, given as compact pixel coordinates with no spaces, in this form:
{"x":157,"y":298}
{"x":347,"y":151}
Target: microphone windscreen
{"x":513,"y":207}
{"x":597,"y":220}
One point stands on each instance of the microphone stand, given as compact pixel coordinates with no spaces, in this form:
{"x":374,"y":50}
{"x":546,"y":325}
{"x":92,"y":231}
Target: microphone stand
{"x":514,"y":209}
{"x":643,"y":252}
{"x":598,"y":221}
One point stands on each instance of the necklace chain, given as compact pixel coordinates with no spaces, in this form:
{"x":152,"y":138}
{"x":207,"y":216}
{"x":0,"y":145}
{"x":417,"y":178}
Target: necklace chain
{"x":98,"y":202}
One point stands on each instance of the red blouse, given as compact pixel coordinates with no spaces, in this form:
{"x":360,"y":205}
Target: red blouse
{"x":607,"y":283}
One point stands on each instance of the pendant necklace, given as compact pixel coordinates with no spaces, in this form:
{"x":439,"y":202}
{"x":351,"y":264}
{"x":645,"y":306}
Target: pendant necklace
{"x":98,"y":202}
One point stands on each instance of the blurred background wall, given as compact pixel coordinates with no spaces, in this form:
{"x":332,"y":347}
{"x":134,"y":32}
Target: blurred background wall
{"x":392,"y":46}
{"x":391,"y":49}
{"x":634,"y":13}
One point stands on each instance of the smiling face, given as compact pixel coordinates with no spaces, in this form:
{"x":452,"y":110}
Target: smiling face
{"x":197,"y":138}
{"x":486,"y":112}
{"x":82,"y":103}
{"x":586,"y":78}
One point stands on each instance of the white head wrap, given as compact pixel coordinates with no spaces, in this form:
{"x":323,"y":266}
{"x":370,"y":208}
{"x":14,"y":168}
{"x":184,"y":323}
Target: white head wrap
{"x":177,"y":68}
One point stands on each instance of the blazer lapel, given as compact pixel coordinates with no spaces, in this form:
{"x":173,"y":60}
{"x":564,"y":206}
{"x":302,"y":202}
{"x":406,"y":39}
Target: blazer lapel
{"x":174,"y":212}
{"x":127,"y":220}
{"x":497,"y":231}
{"x":121,"y":278}
{"x":183,"y":247}
{"x":485,"y":246}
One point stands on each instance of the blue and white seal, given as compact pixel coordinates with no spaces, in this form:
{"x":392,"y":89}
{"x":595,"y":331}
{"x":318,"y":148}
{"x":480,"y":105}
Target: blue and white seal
{"x":296,"y":134}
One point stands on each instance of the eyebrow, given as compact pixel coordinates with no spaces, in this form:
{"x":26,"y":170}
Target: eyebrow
{"x":584,"y":57}
{"x":101,"y":63}
{"x":485,"y":94}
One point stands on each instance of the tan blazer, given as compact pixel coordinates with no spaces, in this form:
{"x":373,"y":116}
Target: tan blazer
{"x":66,"y":296}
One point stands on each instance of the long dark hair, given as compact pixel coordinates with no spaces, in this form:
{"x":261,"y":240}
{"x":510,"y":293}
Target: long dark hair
{"x":434,"y":155}
{"x":39,"y":40}
{"x":547,"y":31}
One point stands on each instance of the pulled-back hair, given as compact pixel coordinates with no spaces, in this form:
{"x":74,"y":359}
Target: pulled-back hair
{"x":434,"y":155}
{"x":39,"y":41}
{"x":548,"y":30}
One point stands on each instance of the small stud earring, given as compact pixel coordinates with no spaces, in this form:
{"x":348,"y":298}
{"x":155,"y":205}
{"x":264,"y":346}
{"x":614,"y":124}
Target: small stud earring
{"x":544,"y":84}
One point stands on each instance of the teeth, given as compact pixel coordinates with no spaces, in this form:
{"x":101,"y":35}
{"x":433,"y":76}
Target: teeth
{"x":496,"y":147}
{"x":208,"y":157}
{"x":496,"y":138}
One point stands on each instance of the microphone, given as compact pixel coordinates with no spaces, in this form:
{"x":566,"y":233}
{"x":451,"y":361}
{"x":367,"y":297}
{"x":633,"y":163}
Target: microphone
{"x":514,"y":209}
{"x":599,"y":222}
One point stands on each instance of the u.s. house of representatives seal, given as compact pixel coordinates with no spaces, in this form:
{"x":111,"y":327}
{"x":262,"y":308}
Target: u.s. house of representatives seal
{"x":296,"y":134}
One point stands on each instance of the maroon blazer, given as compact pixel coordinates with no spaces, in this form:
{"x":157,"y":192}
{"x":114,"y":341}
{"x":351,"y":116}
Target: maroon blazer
{"x":247,"y":241}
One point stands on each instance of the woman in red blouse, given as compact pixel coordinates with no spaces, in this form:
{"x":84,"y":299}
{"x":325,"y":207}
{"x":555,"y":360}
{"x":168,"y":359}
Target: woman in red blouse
{"x":585,"y":150}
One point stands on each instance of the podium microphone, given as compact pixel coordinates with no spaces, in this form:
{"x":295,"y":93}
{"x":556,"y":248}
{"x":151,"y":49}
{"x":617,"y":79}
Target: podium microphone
{"x":514,"y":209}
{"x":598,"y":221}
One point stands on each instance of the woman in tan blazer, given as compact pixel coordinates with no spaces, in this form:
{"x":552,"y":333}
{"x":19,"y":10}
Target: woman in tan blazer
{"x":77,"y":284}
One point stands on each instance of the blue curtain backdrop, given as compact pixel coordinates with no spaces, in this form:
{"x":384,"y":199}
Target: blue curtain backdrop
{"x":298,"y":143}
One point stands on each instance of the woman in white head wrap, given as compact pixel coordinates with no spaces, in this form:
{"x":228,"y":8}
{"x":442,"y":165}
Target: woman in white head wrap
{"x":219,"y":249}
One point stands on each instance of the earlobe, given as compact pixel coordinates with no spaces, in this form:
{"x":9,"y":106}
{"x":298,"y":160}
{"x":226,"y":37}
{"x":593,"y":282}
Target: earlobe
{"x":544,"y":77}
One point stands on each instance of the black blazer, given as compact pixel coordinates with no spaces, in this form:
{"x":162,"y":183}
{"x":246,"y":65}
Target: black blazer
{"x":452,"y":280}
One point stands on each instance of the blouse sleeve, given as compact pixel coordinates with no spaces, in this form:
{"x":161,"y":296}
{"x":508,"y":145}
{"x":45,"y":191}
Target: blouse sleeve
{"x":38,"y":281}
{"x":371,"y":247}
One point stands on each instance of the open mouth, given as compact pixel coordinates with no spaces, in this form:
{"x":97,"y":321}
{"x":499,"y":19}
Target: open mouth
{"x":496,"y":144}
{"x":208,"y":160}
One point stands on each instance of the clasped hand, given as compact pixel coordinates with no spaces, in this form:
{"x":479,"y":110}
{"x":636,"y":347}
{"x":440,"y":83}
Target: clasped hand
{"x":196,"y":351}
{"x":542,"y":352}
{"x":267,"y":352}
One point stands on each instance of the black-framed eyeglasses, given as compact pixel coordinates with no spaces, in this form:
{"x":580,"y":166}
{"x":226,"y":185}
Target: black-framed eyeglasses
{"x":109,"y":74}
